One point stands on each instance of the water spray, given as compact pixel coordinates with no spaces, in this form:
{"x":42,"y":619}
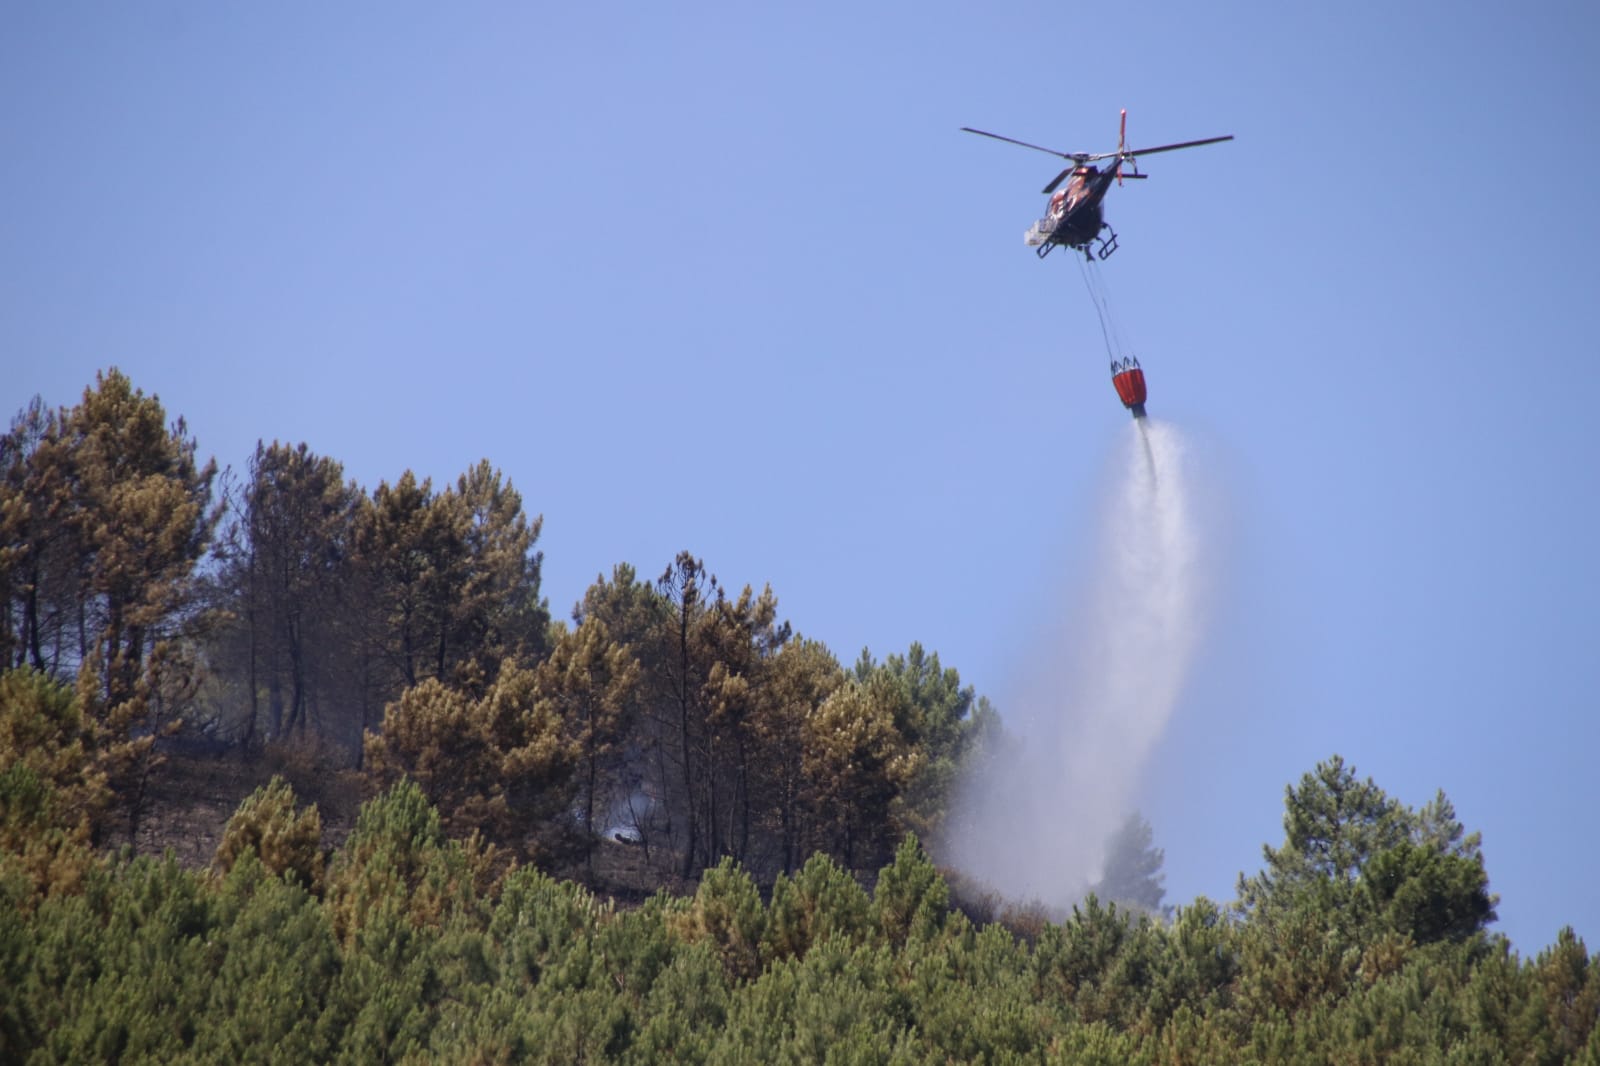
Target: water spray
{"x":1144,"y":438}
{"x":1033,"y":817}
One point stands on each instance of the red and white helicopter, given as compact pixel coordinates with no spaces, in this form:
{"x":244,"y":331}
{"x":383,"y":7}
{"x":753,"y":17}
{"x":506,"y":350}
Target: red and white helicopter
{"x":1074,"y":217}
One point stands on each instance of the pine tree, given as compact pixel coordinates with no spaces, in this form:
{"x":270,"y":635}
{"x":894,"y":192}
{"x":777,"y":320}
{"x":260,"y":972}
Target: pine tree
{"x":1132,"y":870}
{"x":1376,"y":862}
{"x":498,"y":615}
{"x":858,"y":762}
{"x":41,"y":553}
{"x":799,"y":678}
{"x":411,"y":546}
{"x":500,"y":764}
{"x":285,"y":580}
{"x":143,"y":510}
{"x":107,"y":514}
{"x":681,"y":736}
{"x":287,"y":843}
{"x":53,"y":789}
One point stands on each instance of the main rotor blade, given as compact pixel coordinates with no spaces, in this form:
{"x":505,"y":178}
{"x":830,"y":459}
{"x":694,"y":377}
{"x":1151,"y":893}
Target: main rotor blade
{"x":1048,"y":189}
{"x":1074,"y":156}
{"x":1171,"y":147}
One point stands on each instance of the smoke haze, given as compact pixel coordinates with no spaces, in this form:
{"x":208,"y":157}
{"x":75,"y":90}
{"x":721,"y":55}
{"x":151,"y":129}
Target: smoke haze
{"x":1033,"y":819}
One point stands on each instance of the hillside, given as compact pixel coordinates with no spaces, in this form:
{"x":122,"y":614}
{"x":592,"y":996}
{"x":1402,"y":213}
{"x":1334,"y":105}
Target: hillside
{"x":198,"y":667}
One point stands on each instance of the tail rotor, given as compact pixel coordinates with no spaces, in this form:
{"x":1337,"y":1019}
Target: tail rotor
{"x":1122,"y":146}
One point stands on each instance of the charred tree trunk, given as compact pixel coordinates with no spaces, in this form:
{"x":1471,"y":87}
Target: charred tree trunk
{"x":275,"y":705}
{"x":686,"y":747}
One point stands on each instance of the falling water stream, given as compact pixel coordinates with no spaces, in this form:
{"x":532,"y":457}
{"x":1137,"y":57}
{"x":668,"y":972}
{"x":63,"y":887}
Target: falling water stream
{"x":1034,"y":817}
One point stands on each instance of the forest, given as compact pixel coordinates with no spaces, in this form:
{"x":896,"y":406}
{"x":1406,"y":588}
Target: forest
{"x":781,"y":810}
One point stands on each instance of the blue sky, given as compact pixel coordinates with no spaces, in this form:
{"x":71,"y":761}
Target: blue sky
{"x":726,"y":277}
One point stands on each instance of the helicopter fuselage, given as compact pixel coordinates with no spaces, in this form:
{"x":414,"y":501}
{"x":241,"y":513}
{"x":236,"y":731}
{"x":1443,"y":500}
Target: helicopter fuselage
{"x":1074,"y":216}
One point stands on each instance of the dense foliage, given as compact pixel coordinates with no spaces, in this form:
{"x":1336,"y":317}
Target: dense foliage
{"x":402,"y":630}
{"x":405,"y":945}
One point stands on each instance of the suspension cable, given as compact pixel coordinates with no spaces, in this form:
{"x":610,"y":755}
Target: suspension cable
{"x":1100,"y":294}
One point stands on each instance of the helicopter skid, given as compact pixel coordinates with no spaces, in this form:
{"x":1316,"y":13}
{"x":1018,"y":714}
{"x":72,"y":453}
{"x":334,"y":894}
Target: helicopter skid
{"x":1107,"y":244}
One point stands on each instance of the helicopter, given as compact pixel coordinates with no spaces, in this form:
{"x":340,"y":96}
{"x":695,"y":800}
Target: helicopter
{"x":1074,"y":217}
